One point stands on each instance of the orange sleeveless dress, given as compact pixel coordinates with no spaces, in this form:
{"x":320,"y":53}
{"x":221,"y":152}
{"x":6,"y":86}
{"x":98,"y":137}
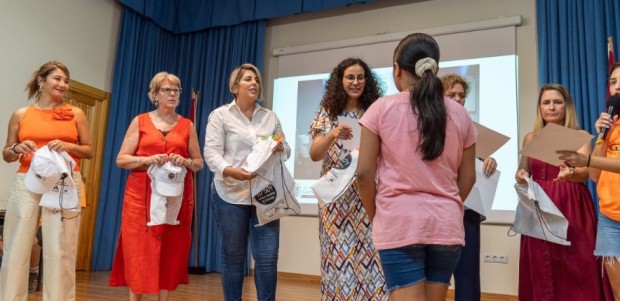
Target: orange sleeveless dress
{"x":150,"y":259}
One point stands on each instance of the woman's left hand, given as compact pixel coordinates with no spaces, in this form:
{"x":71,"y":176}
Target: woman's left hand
{"x":488,"y":166}
{"x":177,"y":160}
{"x":279,"y":148}
{"x":58,"y":145}
{"x":566,"y":172}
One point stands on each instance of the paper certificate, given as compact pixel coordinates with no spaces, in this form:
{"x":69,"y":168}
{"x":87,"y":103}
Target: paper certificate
{"x":356,"y":129}
{"x":481,"y":197}
{"x":552,"y":138}
{"x":488,"y":141}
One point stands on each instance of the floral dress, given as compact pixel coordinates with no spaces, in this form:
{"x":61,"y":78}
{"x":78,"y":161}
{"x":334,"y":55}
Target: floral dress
{"x":350,"y":265}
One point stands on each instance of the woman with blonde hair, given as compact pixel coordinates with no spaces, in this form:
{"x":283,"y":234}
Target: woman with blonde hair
{"x":232,"y":130}
{"x":550,"y":271}
{"x":151,"y":257}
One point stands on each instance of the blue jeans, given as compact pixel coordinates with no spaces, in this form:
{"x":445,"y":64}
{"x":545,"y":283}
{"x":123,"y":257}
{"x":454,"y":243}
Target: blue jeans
{"x":412,"y":264}
{"x":236,"y":224}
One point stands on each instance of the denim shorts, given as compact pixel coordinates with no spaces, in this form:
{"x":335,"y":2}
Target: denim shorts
{"x":412,"y":264}
{"x":607,"y":237}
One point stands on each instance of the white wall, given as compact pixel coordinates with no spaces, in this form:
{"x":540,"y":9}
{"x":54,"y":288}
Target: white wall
{"x":81,"y":34}
{"x":299,"y":235}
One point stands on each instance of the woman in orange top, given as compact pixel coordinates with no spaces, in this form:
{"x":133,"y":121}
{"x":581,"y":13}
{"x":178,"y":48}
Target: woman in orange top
{"x":62,"y":127}
{"x":604,"y":168}
{"x":152,"y":259}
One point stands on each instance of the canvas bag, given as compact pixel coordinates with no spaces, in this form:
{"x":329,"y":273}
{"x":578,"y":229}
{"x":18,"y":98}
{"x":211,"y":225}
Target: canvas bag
{"x":337,"y":180}
{"x":537,"y":216}
{"x":273,"y":192}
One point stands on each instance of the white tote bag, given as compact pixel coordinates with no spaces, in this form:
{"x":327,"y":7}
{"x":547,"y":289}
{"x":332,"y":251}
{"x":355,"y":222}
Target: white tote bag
{"x":337,"y":180}
{"x":537,"y":216}
{"x":273,"y":191}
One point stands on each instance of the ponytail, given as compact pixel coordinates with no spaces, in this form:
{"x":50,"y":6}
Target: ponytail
{"x":427,"y":103}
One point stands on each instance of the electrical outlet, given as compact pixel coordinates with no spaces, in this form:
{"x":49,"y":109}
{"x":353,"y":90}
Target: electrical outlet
{"x":495,"y":258}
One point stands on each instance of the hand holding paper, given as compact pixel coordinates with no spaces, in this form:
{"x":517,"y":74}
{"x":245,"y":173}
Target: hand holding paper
{"x":355,"y":132}
{"x":552,"y":138}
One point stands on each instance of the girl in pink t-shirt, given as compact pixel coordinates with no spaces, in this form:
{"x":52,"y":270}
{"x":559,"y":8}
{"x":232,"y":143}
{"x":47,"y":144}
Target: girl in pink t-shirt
{"x":421,"y":146}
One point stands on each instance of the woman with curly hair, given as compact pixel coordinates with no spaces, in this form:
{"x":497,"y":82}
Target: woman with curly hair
{"x":350,"y":267}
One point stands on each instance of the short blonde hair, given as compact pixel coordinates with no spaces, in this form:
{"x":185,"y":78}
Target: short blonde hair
{"x":451,"y":79}
{"x":160,"y":78}
{"x":570,"y":114}
{"x":235,"y":78}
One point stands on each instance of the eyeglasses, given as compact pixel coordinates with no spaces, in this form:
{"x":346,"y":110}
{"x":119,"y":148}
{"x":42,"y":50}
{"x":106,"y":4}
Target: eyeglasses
{"x":170,"y":90}
{"x":351,"y":78}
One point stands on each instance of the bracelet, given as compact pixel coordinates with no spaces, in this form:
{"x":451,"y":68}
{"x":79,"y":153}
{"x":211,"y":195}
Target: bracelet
{"x":588,"y":164}
{"x":12,"y":148}
{"x":571,"y":172}
{"x":138,"y":161}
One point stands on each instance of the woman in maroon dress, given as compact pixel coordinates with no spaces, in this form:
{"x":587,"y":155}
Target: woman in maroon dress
{"x":153,"y":259}
{"x":549,"y":271}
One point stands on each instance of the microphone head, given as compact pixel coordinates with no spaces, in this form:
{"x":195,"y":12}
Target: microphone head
{"x":614,"y":101}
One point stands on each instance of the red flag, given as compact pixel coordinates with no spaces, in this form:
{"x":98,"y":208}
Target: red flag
{"x":611,"y":59}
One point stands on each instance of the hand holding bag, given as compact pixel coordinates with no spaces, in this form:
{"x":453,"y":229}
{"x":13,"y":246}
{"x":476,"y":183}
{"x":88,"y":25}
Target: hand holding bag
{"x":337,"y":180}
{"x":537,"y":216}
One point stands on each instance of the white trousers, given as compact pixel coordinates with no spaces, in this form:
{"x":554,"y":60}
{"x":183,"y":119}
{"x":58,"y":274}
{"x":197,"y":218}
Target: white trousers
{"x":60,"y":237}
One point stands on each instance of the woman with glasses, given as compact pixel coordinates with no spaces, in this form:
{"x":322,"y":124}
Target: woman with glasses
{"x":51,"y":122}
{"x":232,"y":130}
{"x":347,"y":272}
{"x":151,"y":258}
{"x":420,"y":146}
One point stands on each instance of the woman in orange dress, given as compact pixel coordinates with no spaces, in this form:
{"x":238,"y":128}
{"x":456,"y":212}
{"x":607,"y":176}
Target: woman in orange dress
{"x":152,"y":259}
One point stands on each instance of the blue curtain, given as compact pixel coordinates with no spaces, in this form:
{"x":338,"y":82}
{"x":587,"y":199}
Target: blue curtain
{"x":572,"y":51}
{"x":184,"y":16}
{"x":203,"y":61}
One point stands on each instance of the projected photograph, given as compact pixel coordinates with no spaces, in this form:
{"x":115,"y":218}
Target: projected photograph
{"x":309,"y":94}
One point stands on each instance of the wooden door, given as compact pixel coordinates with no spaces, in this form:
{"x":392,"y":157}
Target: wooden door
{"x":94,"y":103}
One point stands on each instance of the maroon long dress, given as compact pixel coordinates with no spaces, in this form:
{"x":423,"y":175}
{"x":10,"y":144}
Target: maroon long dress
{"x":553,"y":272}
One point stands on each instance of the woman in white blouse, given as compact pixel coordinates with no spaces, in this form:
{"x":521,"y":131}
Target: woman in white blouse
{"x":231,"y":132}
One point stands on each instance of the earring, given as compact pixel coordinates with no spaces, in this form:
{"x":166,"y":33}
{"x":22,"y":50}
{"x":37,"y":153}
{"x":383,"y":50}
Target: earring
{"x":156,"y":103}
{"x":40,"y":88}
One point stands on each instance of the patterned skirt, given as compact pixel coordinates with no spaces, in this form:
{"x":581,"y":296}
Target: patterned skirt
{"x":350,"y":265}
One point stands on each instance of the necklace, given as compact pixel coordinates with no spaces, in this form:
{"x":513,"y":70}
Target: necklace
{"x":49,"y":106}
{"x":169,"y":124}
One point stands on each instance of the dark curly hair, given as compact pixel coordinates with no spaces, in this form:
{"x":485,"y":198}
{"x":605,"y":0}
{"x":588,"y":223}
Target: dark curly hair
{"x":335,"y":98}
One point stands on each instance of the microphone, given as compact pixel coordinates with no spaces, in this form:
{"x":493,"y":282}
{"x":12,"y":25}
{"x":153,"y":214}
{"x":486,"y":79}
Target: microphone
{"x":612,"y":106}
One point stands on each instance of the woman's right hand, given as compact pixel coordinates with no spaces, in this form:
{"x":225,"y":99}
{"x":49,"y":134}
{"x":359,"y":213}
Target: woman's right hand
{"x":521,"y":175}
{"x":343,"y":132}
{"x":238,"y":173}
{"x":604,"y":121}
{"x":26,"y":148}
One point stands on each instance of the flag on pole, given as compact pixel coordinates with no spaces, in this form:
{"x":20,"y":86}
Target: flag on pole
{"x":192,"y":108}
{"x":195,"y":269}
{"x":611,"y":59}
